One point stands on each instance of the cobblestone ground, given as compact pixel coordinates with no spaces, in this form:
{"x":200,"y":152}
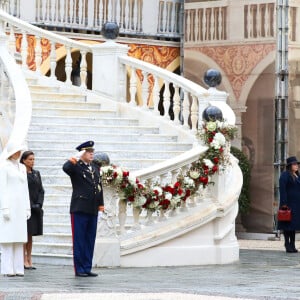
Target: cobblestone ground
{"x":264,"y":271}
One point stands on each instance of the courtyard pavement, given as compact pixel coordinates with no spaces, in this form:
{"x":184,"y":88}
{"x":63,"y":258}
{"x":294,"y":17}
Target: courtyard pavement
{"x":264,"y":271}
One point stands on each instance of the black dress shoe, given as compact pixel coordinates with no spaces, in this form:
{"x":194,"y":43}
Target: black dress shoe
{"x":92,"y":274}
{"x":81,"y":275}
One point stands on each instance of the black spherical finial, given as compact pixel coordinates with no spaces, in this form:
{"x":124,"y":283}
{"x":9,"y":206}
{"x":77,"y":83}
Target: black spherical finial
{"x":212,"y":113}
{"x":110,"y":30}
{"x":101,"y":159}
{"x":212,"y":77}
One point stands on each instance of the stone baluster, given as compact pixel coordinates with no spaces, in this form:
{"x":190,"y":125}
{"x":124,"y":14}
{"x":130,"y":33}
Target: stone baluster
{"x":109,"y":10}
{"x":136,"y":211}
{"x":122,"y":82}
{"x":194,"y":113}
{"x":46,"y":11}
{"x":127,"y":20}
{"x":68,"y":66}
{"x":212,"y":24}
{"x":220,"y":24}
{"x":156,"y":95}
{"x":83,"y":70}
{"x":65,"y":11}
{"x":133,"y":88}
{"x":204,"y":27}
{"x":166,"y":100}
{"x":188,"y":26}
{"x":53,"y":60}
{"x":71,"y":12}
{"x":122,"y":215}
{"x":145,"y":89}
{"x":135,"y":16}
{"x":258,"y":21}
{"x":186,"y":109}
{"x":38,"y":55}
{"x":196,"y":27}
{"x":267,"y":21}
{"x":164,"y":17}
{"x":100,"y":16}
{"x":24,"y":46}
{"x":12,"y":41}
{"x":176,"y":105}
{"x":118,"y":13}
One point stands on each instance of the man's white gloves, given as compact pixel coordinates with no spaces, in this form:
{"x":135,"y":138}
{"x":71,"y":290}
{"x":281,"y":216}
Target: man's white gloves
{"x":28,"y":213}
{"x":79,"y":154}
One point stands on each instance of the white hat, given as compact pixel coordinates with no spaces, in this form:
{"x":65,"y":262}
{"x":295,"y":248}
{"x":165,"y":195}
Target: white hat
{"x":12,"y":148}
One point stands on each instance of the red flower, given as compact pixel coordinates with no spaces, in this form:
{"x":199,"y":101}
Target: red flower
{"x":177,"y":184}
{"x":136,"y":180}
{"x":125,"y":173}
{"x":187,"y":193}
{"x":131,"y":198}
{"x":164,"y":203}
{"x":221,"y":149}
{"x":180,"y":191}
{"x":216,"y":160}
{"x":140,"y":186}
{"x":115,"y":174}
{"x":206,"y":172}
{"x":210,"y":140}
{"x":204,"y":180}
{"x":215,"y":168}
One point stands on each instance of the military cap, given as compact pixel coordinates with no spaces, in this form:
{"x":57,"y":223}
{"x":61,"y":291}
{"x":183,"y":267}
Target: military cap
{"x":85,"y":146}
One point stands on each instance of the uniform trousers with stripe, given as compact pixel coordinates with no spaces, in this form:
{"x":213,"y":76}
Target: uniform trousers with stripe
{"x":84,"y":228}
{"x":12,"y":258}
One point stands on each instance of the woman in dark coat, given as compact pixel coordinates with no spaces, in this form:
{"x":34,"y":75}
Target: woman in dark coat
{"x":36,"y":195}
{"x":289,"y":187}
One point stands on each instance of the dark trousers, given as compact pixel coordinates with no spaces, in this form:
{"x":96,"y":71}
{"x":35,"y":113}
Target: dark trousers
{"x":289,"y":239}
{"x":84,"y":228}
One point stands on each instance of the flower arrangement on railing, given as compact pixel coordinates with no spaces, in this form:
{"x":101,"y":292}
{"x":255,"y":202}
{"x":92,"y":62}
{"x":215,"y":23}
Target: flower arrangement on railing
{"x":215,"y":134}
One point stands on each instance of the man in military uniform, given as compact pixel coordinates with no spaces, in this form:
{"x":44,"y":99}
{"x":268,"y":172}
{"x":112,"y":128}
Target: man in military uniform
{"x":86,"y":202}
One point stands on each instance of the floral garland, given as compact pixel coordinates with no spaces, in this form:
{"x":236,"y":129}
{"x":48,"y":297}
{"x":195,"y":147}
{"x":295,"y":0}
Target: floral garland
{"x":215,"y":134}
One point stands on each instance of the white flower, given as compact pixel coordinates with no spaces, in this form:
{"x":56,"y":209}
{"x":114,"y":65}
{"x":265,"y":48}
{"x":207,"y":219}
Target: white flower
{"x":139,"y":201}
{"x":168,"y":196}
{"x":132,"y":180}
{"x":188,"y":182}
{"x":208,"y":163}
{"x":194,"y":174}
{"x":158,"y":189}
{"x":220,"y":138}
{"x":211,"y":126}
{"x":153,"y":205}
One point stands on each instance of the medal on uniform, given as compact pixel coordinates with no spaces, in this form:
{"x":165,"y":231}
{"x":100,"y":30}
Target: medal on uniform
{"x":99,"y":188}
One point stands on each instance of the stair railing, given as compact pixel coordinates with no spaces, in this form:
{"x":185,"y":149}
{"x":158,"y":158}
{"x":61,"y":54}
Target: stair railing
{"x":29,"y":34}
{"x":15,"y":103}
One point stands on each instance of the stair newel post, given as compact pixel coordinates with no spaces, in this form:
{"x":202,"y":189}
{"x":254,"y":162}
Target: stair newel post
{"x":176,"y":107}
{"x":68,"y":66}
{"x":106,"y":68}
{"x":166,"y":100}
{"x":122,"y":215}
{"x":133,"y":87}
{"x":83,"y":70}
{"x":12,"y":41}
{"x":194,"y":113}
{"x":38,"y":55}
{"x":156,"y":95}
{"x":145,"y":90}
{"x":24,"y":46}
{"x":53,"y":60}
{"x":186,"y":109}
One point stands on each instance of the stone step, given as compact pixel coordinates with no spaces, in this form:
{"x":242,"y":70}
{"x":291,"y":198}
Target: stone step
{"x":129,"y":163}
{"x":55,"y":238}
{"x":58,"y":96}
{"x":75,"y":138}
{"x":37,"y":88}
{"x":83,"y":120}
{"x":120,"y":154}
{"x":91,"y":128}
{"x":62,"y":112}
{"x":65,"y":104}
{"x":57,"y":249}
{"x":58,"y":227}
{"x":57,"y":207}
{"x":61,"y":218}
{"x":52,"y":258}
{"x":124,"y":145}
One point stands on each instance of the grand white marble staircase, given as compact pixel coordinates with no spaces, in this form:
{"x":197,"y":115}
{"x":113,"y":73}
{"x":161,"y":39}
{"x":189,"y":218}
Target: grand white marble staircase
{"x":61,"y":119}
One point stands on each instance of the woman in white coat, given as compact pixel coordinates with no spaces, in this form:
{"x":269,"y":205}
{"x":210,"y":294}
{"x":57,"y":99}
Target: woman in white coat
{"x":14,"y":211}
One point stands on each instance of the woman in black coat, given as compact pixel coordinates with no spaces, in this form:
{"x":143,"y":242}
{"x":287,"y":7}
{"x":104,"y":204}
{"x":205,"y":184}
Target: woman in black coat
{"x":36,"y":195}
{"x":289,"y":187}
